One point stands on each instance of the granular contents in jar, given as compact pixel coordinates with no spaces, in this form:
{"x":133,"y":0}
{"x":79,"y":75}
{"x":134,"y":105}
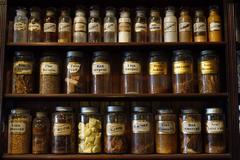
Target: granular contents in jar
{"x":116,"y":144}
{"x":183,"y":87}
{"x":209,"y":84}
{"x":22,"y":84}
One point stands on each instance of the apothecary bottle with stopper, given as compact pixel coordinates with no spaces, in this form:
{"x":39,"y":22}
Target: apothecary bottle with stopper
{"x":170,"y":25}
{"x":20,"y":26}
{"x":185,"y":26}
{"x":200,"y":26}
{"x":94,"y":25}
{"x":110,"y":26}
{"x":214,"y":25}
{"x":50,"y":26}
{"x":34,"y":26}
{"x":80,"y":26}
{"x":65,"y":26}
{"x":155,"y":33}
{"x":124,"y":26}
{"x":140,"y":28}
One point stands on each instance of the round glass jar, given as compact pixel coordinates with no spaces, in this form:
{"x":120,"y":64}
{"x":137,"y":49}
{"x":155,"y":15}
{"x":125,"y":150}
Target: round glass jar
{"x":215,"y":140}
{"x":142,"y":131}
{"x":89,"y":131}
{"x":50,"y":26}
{"x":155,"y":32}
{"x":166,"y":132}
{"x":63,"y":131}
{"x":23,"y":73}
{"x":140,"y":26}
{"x":214,"y":25}
{"x":19,"y":131}
{"x":200,"y":26}
{"x":115,"y":134}
{"x":185,"y":26}
{"x":208,"y":72}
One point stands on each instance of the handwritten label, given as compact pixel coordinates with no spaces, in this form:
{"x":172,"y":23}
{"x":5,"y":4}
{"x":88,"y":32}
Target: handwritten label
{"x":49,"y":68}
{"x":20,"y":26}
{"x":17,"y":127}
{"x":215,"y":127}
{"x":191,"y":127}
{"x":99,"y":68}
{"x":34,"y":27}
{"x":109,"y":27}
{"x":140,"y":27}
{"x":140,"y":126}
{"x":73,"y":67}
{"x":131,"y":68}
{"x":158,"y":68}
{"x":199,"y":27}
{"x":185,"y":27}
{"x":153,"y":26}
{"x":115,"y":129}
{"x":23,"y":67}
{"x":215,"y":26}
{"x":166,"y":127}
{"x":49,"y":27}
{"x":64,"y":27}
{"x":94,"y":27}
{"x":170,"y":27}
{"x":209,"y":67}
{"x":182,"y":67}
{"x":62,"y":129}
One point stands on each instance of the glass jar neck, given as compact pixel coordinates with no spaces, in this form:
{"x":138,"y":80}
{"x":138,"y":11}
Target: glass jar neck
{"x":110,"y":13}
{"x":184,"y":13}
{"x":155,"y":14}
{"x":94,"y":13}
{"x":124,"y":14}
{"x":170,"y":13}
{"x":35,"y":14}
{"x":80,"y":14}
{"x":140,"y":14}
{"x":50,"y":13}
{"x":21,"y":13}
{"x":213,"y":12}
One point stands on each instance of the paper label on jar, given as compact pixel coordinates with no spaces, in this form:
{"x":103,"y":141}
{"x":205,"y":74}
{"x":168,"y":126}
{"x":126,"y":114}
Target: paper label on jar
{"x":166,"y":127}
{"x":73,"y":67}
{"x":124,"y":27}
{"x":34,"y":27}
{"x":109,"y":27}
{"x":214,"y":127}
{"x":191,"y":127}
{"x":80,"y":27}
{"x":131,"y":68}
{"x":22,"y":67}
{"x":99,"y":68}
{"x":199,"y":27}
{"x":64,"y":27}
{"x":215,"y":26}
{"x":80,"y":20}
{"x":185,"y":27}
{"x":49,"y":68}
{"x":153,"y":26}
{"x":182,"y":67}
{"x":17,"y":127}
{"x":208,"y":67}
{"x":115,"y":129}
{"x":20,"y":26}
{"x":140,"y":126}
{"x":124,"y":37}
{"x":140,"y":27}
{"x":49,"y":27}
{"x":94,"y":27}
{"x":158,"y":68}
{"x":170,"y":27}
{"x":62,"y":129}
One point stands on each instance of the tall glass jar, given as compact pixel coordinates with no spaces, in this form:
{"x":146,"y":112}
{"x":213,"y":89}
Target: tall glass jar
{"x":166,"y":132}
{"x":101,"y":73}
{"x":159,"y":76}
{"x":155,"y":33}
{"x":65,"y":26}
{"x":80,"y":26}
{"x":190,"y":131}
{"x":182,"y":78}
{"x":89,"y":131}
{"x":110,"y":25}
{"x":208,"y":72}
{"x":34,"y":26}
{"x":23,"y":73}
{"x":50,"y":26}
{"x":214,"y":25}
{"x":170,"y":25}
{"x":20,"y":28}
{"x":124,"y":26}
{"x":200,"y":26}
{"x":63,"y":131}
{"x":94,"y":25}
{"x":19,"y":131}
{"x":185,"y":26}
{"x":40,"y":133}
{"x":142,"y":131}
{"x":215,"y":138}
{"x":131,"y":74}
{"x":140,"y":25}
{"x":115,"y":134}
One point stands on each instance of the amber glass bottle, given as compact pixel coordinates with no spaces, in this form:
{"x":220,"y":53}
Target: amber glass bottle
{"x":185,"y":26}
{"x":65,"y":26}
{"x":214,"y":25}
{"x":50,"y":26}
{"x":200,"y":26}
{"x":140,"y":25}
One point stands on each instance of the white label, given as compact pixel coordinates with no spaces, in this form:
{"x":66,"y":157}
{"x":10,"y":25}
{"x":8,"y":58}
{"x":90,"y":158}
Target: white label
{"x":49,"y":68}
{"x":99,"y":68}
{"x":215,"y":26}
{"x":215,"y":127}
{"x":80,"y":27}
{"x":155,"y":27}
{"x":170,"y":27}
{"x":17,"y":127}
{"x":140,"y":126}
{"x":20,"y":26}
{"x":62,"y":129}
{"x":73,"y":67}
{"x":124,"y":37}
{"x":124,"y":20}
{"x":191,"y":127}
{"x":80,"y":20}
{"x":109,"y":27}
{"x":140,"y":27}
{"x":115,"y":129}
{"x":34,"y":27}
{"x":166,"y":127}
{"x":200,"y":27}
{"x":185,"y":27}
{"x":131,"y":68}
{"x":94,"y":27}
{"x":22,"y":67}
{"x":64,"y":27}
{"x":49,"y":27}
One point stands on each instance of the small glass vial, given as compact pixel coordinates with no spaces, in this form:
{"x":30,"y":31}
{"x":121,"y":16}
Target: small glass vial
{"x":185,"y":26}
{"x":94,"y":25}
{"x":182,"y":78}
{"x":215,"y":140}
{"x":214,"y":25}
{"x":142,"y":131}
{"x":131,"y":74}
{"x":65,"y":26}
{"x":34,"y":26}
{"x":208,"y":72}
{"x":40,"y":133}
{"x":166,"y":132}
{"x":89,"y":131}
{"x":200,"y":26}
{"x":80,"y":26}
{"x":115,"y":134}
{"x":170,"y":26}
{"x":124,"y":26}
{"x":101,"y":73}
{"x":159,"y":76}
{"x":110,"y":26}
{"x":20,"y":26}
{"x":140,"y":27}
{"x":155,"y":26}
{"x":50,"y":26}
{"x":190,"y":132}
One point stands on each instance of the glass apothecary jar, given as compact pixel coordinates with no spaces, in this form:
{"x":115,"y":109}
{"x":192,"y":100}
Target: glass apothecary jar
{"x":34,"y":26}
{"x":50,"y":26}
{"x":115,"y":132}
{"x":65,"y":26}
{"x":190,"y":132}
{"x":63,"y":131}
{"x":142,"y":139}
{"x":140,"y":28}
{"x":215,"y":140}
{"x":200,"y":26}
{"x":80,"y":26}
{"x":208,"y":72}
{"x":23,"y":73}
{"x":19,"y":131}
{"x":20,"y":29}
{"x":89,"y":131}
{"x":166,"y":131}
{"x":110,"y":25}
{"x":214,"y":25}
{"x":155,"y":33}
{"x":182,"y":78}
{"x":124,"y":26}
{"x":185,"y":26}
{"x":94,"y":25}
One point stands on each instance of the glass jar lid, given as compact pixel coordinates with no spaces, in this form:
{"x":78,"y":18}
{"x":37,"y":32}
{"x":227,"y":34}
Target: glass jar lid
{"x":131,"y":53}
{"x":115,"y":109}
{"x":41,"y":114}
{"x":208,"y":52}
{"x":50,"y":11}
{"x":63,"y":109}
{"x":124,"y":12}
{"x":155,"y":12}
{"x":214,"y":111}
{"x":88,"y":110}
{"x":23,"y":53}
{"x":182,"y":52}
{"x":110,"y":11}
{"x":100,"y":54}
{"x":139,"y":109}
{"x":94,"y":11}
{"x":74,"y":54}
{"x":19,"y":111}
{"x":190,"y":111}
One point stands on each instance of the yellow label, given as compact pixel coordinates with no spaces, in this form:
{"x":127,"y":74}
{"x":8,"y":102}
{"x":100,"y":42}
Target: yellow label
{"x":49,"y":68}
{"x":182,"y":67}
{"x":208,"y":67}
{"x":215,"y":127}
{"x":17,"y":127}
{"x":158,"y":68}
{"x":115,"y":129}
{"x":140,"y":126}
{"x":166,"y":127}
{"x":62,"y":129}
{"x":23,"y":67}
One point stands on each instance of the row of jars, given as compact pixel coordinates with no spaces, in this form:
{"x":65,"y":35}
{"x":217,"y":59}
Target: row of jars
{"x":141,"y":136}
{"x":75,"y":79}
{"x":112,"y":30}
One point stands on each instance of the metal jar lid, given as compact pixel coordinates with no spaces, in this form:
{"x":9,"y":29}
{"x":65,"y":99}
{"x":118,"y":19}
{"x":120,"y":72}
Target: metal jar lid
{"x":208,"y":52}
{"x":139,"y":109}
{"x":182,"y":52}
{"x":23,"y":53}
{"x":100,"y":54}
{"x":88,"y":110}
{"x":214,"y":111}
{"x":63,"y":109}
{"x":115,"y":109}
{"x":19,"y":111}
{"x":131,"y":53}
{"x":77,"y":54}
{"x":165,"y":111}
{"x":41,"y":114}
{"x":190,"y":111}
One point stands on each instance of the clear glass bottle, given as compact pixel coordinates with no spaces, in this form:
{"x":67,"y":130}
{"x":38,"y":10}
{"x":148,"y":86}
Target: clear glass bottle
{"x":170,"y":25}
{"x":20,"y":26}
{"x":200,"y":26}
{"x":155,"y":26}
{"x":110,"y":25}
{"x":34,"y":26}
{"x":185,"y":26}
{"x":50,"y":26}
{"x":94,"y":25}
{"x":140,"y":27}
{"x":65,"y":26}
{"x":124,"y":26}
{"x":80,"y":26}
{"x":214,"y":25}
